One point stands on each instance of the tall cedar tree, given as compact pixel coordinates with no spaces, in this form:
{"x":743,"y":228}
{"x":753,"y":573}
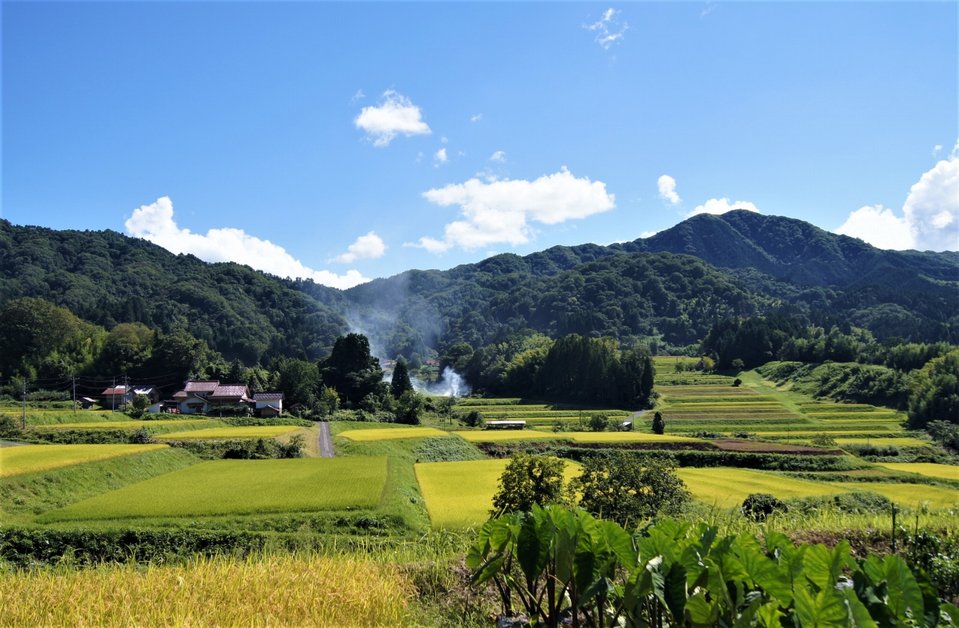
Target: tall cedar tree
{"x":401,"y":379}
{"x":351,"y":370}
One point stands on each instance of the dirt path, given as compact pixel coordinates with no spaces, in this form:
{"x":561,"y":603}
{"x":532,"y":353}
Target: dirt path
{"x":326,"y":441}
{"x":10,"y":443}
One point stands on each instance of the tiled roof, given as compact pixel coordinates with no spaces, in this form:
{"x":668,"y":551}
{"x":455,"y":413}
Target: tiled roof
{"x":180,"y":395}
{"x":110,"y":392}
{"x":230,"y":390}
{"x":268,"y":396}
{"x":201,"y":387}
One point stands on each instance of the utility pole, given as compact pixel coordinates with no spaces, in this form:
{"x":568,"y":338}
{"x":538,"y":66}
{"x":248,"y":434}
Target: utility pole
{"x":126,"y":388}
{"x":23,"y":415}
{"x":74,"y":378}
{"x":113,"y":396}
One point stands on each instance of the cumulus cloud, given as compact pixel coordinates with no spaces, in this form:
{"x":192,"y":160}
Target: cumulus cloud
{"x":395,"y":115}
{"x":476,"y":117}
{"x":930,"y":215}
{"x":440,"y":157}
{"x":155,"y":223}
{"x":498,"y":156}
{"x":369,"y":246}
{"x":721,"y":206}
{"x":500,"y":211}
{"x":609,"y":29}
{"x":878,"y":226}
{"x":667,"y":189}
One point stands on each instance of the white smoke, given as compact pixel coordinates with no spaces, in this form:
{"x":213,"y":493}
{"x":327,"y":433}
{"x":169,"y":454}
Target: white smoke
{"x":451,"y":384}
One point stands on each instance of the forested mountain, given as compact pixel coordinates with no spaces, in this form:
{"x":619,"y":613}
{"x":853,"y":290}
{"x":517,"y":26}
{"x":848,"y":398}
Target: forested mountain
{"x":107,"y":278}
{"x":673,"y":287}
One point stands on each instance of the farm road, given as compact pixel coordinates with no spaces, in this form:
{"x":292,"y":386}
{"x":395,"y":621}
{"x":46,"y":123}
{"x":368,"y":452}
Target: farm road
{"x":326,"y":441}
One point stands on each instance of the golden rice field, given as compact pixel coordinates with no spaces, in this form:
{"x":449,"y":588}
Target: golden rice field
{"x":265,"y":591}
{"x":460,"y":494}
{"x":906,"y":441}
{"x":909,"y":495}
{"x":395,"y":433}
{"x":33,"y":458}
{"x":728,"y":487}
{"x":240,"y":487}
{"x":125,"y":425}
{"x":498,"y":436}
{"x":231,"y":433}
{"x":929,"y":469}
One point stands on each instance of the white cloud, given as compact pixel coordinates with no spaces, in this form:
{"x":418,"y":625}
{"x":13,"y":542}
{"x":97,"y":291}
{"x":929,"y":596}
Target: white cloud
{"x":440,"y":157}
{"x":357,"y":96}
{"x":394,"y":115}
{"x":476,"y":117}
{"x":155,"y":223}
{"x":878,"y":226}
{"x":609,"y":29}
{"x":499,"y":156}
{"x":647,"y":234}
{"x":936,"y":150}
{"x":667,"y":189}
{"x":721,"y":206}
{"x":495,"y":212}
{"x":369,"y":246}
{"x":930,"y":215}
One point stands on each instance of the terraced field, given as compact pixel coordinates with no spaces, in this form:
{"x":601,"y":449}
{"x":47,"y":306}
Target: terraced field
{"x":231,"y":433}
{"x":392,"y":433}
{"x":727,"y":488}
{"x":495,"y":436}
{"x":34,"y":458}
{"x":240,"y":487}
{"x":159,"y":426}
{"x":460,"y":494}
{"x":536,"y":414}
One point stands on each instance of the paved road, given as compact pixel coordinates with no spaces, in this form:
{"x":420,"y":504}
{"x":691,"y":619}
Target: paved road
{"x":326,"y":441}
{"x":10,"y":443}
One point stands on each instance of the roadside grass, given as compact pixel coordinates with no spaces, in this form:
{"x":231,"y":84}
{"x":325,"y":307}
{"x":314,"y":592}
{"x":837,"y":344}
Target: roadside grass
{"x":34,"y":458}
{"x":23,"y":497}
{"x":291,"y":590}
{"x":232,"y":433}
{"x":392,"y":433}
{"x":460,"y":494}
{"x":232,"y":487}
{"x":928,"y":469}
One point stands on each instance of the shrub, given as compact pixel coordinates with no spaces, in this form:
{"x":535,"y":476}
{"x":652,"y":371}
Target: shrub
{"x":823,"y":440}
{"x":737,"y":382}
{"x":598,"y":422}
{"x":626,"y":488}
{"x":758,"y":506}
{"x":473,"y":418}
{"x":141,"y":436}
{"x":529,"y":480}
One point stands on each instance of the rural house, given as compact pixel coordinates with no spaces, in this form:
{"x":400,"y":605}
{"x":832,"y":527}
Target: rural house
{"x":212,"y":397}
{"x":117,"y":396}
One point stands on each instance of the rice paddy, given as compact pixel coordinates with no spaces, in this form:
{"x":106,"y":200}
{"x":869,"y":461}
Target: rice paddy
{"x":460,"y":494}
{"x":928,"y":469}
{"x":160,"y":425}
{"x":34,"y":458}
{"x":291,"y":590}
{"x":232,"y":433}
{"x":392,"y":433}
{"x":920,"y":496}
{"x":238,"y":487}
{"x":727,"y":487}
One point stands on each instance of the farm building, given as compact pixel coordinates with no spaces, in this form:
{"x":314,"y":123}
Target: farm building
{"x":268,"y":404}
{"x":117,"y":396}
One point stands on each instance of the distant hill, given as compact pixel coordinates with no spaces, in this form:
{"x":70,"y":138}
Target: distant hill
{"x":673,"y":285}
{"x":107,"y":278}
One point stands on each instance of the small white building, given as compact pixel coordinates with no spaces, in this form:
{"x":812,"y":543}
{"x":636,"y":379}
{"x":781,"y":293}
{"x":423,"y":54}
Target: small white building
{"x":268,"y":403}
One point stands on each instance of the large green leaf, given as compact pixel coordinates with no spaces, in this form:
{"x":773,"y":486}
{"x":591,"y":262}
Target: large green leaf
{"x":857,"y":614}
{"x":903,"y":595}
{"x":700,"y":611}
{"x":531,"y":549}
{"x":827,"y":608}
{"x":824,"y":566}
{"x":762,"y":572}
{"x":674,"y":591}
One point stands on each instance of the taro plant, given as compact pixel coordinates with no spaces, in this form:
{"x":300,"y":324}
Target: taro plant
{"x":563,"y":566}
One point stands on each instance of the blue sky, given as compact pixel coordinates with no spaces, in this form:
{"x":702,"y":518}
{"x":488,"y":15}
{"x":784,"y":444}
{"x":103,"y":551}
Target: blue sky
{"x":350,"y":141}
